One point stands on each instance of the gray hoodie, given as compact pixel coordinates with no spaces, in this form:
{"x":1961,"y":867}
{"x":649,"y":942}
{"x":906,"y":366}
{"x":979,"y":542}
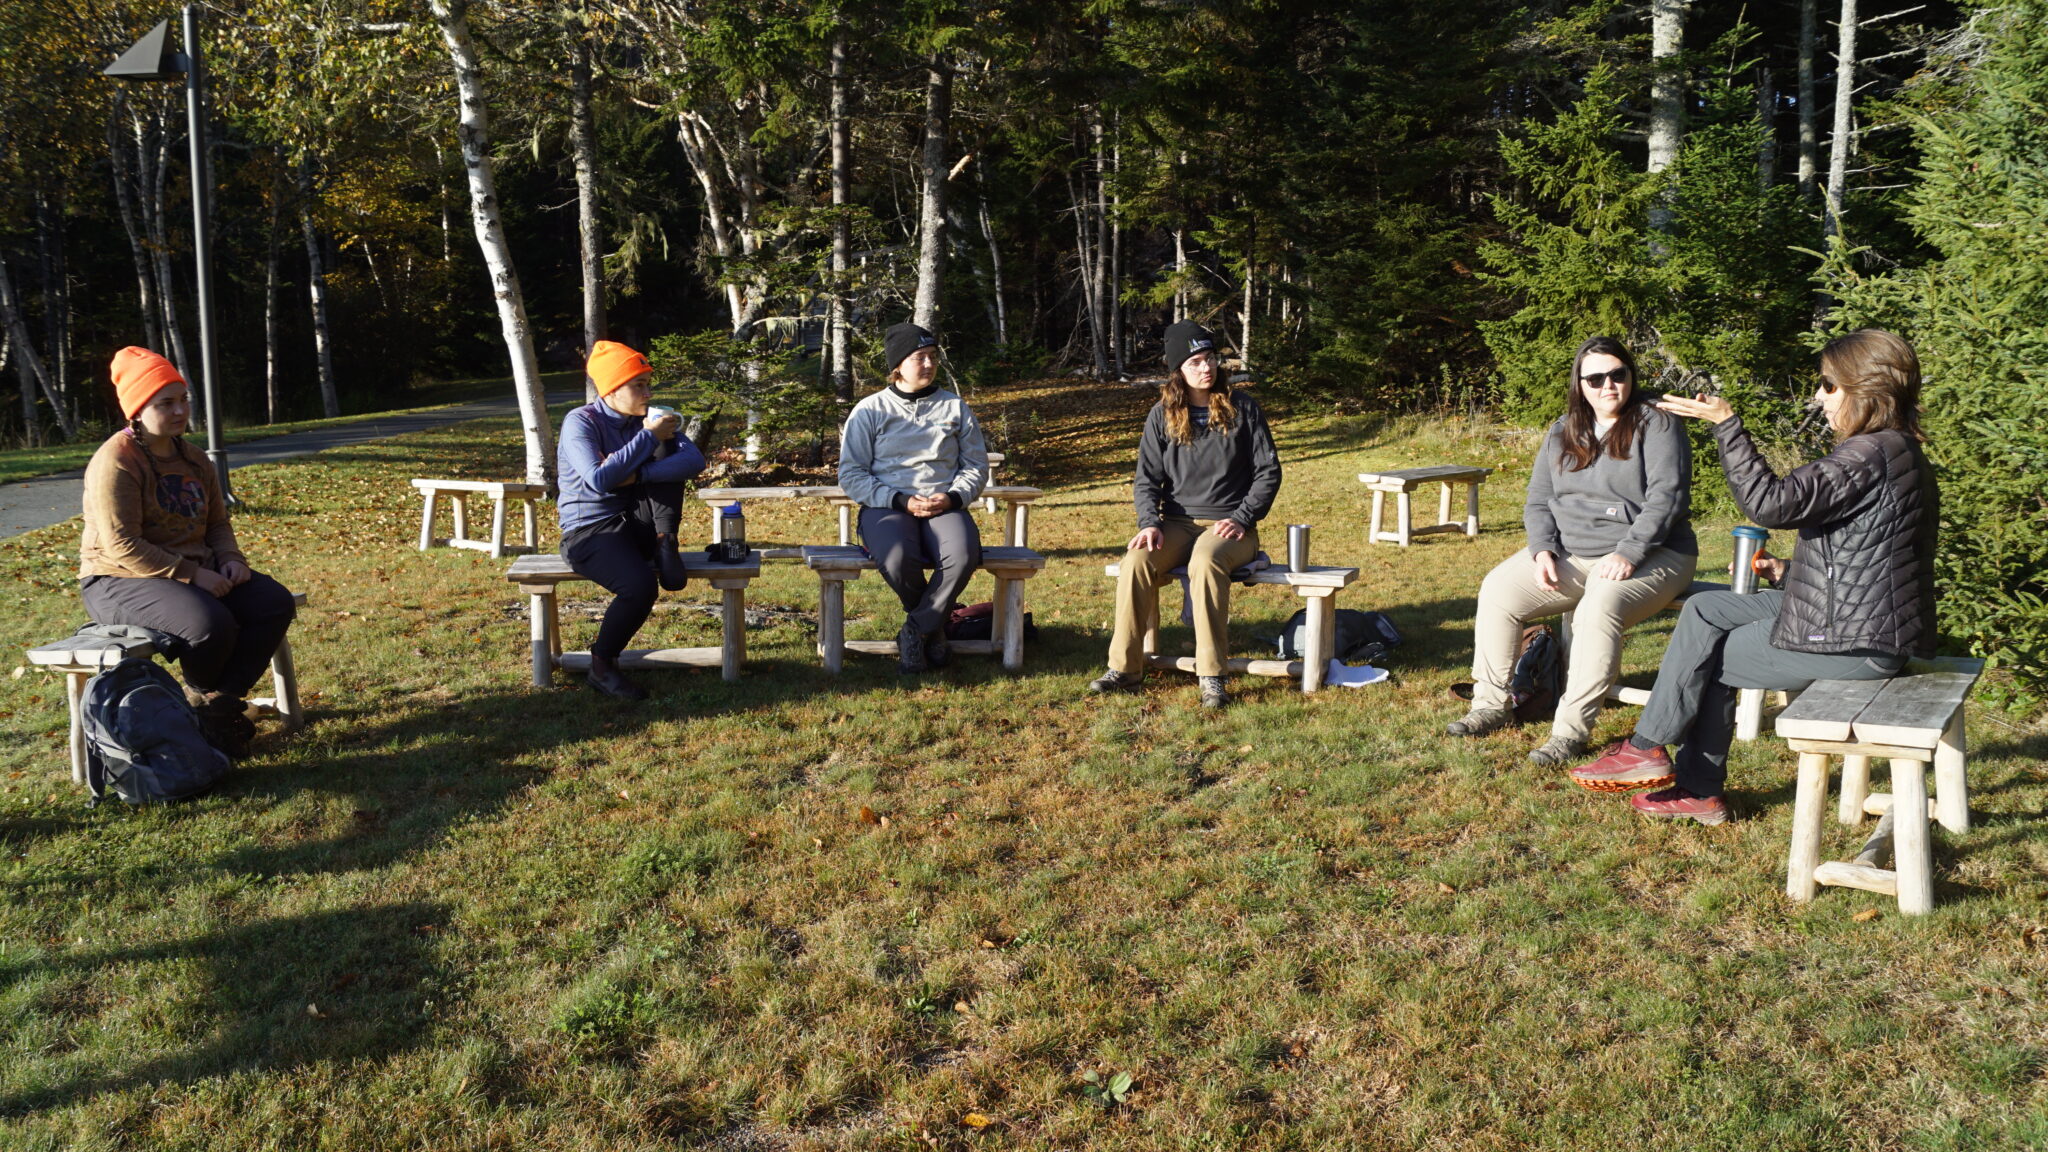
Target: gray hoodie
{"x":1627,"y":506}
{"x":893,"y":446}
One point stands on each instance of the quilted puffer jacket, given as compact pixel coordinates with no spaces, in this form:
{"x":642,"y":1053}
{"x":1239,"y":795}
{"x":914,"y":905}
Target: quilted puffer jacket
{"x":1862,"y":578}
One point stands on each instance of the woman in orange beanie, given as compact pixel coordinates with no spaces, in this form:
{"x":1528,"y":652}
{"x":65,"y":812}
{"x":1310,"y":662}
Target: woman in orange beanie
{"x":621,"y":502}
{"x":158,"y":550}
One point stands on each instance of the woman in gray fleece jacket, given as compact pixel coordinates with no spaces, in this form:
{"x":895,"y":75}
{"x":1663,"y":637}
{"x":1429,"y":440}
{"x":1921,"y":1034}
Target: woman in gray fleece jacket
{"x":912,"y":455}
{"x":1609,"y":541}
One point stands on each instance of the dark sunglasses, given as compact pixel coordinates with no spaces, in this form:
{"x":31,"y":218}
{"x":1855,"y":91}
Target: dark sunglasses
{"x":1620,"y":377}
{"x":1827,"y":386}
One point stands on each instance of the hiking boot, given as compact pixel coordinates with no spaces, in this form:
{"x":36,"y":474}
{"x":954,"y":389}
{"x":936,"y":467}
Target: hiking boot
{"x":1115,"y":681}
{"x":937,"y":652}
{"x":1678,"y":804}
{"x":668,"y":563}
{"x":224,"y":722}
{"x":1214,"y":695}
{"x":604,"y":675}
{"x":1480,"y":721}
{"x":1558,"y":750}
{"x":1625,"y":768}
{"x":910,"y":658}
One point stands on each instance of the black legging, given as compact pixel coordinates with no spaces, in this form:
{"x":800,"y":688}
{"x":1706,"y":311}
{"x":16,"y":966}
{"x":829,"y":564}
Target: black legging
{"x":618,"y":555}
{"x":229,"y":639}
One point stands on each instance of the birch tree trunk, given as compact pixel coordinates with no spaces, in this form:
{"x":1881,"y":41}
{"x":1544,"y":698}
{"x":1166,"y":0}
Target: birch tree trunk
{"x":272,"y":243}
{"x":153,"y":217}
{"x":1809,"y":116}
{"x":1116,"y":264}
{"x":1667,"y":96}
{"x":316,"y":296}
{"x":840,"y":333}
{"x":590,"y":240}
{"x":1843,"y":141}
{"x":931,"y":239}
{"x":995,"y":261}
{"x":56,"y":281}
{"x":473,"y":131}
{"x":124,"y":201}
{"x":1180,"y":268}
{"x":1105,"y":356}
{"x":28,"y":364}
{"x":1086,"y":269}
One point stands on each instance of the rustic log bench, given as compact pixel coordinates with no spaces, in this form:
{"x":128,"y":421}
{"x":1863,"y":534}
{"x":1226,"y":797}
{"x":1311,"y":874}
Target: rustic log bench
{"x":79,"y":658}
{"x":837,"y":564}
{"x":1016,"y":501}
{"x":1401,"y":484}
{"x":458,"y":493}
{"x":539,"y":576}
{"x":1911,"y":719}
{"x":1318,"y":585}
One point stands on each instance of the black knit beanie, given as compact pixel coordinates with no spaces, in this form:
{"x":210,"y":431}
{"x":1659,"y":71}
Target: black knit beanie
{"x":899,"y":342}
{"x":1184,"y":340}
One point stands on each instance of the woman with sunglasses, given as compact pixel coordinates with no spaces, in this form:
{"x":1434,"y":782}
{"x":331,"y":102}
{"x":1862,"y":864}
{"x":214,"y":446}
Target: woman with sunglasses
{"x":1857,"y":596}
{"x":1609,"y":542}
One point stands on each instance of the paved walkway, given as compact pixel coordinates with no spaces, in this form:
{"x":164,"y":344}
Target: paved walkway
{"x":46,"y":500}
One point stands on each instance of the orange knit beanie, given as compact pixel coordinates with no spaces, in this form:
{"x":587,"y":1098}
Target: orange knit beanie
{"x":613,"y":365}
{"x":139,"y":375}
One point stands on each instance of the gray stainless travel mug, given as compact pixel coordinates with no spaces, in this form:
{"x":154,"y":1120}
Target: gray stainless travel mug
{"x":1749,"y":540}
{"x":1297,"y":547}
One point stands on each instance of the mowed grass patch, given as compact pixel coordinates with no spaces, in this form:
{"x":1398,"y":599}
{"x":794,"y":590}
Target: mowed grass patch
{"x":816,"y":912}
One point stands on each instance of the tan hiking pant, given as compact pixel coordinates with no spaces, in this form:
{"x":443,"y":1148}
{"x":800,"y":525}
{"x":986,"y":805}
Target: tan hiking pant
{"x":1210,"y":559}
{"x":1601,"y":611}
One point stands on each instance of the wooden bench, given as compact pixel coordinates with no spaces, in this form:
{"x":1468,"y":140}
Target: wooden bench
{"x":1911,"y":719}
{"x":837,"y":564}
{"x":1402,"y":482}
{"x":79,"y":658}
{"x":1317,"y":585}
{"x":458,"y":493}
{"x":538,"y":577}
{"x":1016,"y":499}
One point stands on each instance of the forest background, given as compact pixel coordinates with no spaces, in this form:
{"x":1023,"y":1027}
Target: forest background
{"x":1386,"y":205}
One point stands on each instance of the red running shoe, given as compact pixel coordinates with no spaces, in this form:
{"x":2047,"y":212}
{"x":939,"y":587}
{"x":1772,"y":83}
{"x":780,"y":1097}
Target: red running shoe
{"x":1625,"y":768}
{"x":1678,"y":804}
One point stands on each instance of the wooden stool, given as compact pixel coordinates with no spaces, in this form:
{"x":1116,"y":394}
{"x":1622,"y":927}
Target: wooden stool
{"x":538,"y":577}
{"x":79,"y":658}
{"x":458,"y":493}
{"x":837,"y":565}
{"x":1402,"y":482}
{"x":1911,"y":719}
{"x":1317,"y":585}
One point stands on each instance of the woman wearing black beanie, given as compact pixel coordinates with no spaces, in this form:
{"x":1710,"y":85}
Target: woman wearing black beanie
{"x":913,"y":458}
{"x":1207,"y":474}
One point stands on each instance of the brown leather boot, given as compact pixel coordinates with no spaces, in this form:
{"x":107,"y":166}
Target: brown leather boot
{"x":604,"y":675}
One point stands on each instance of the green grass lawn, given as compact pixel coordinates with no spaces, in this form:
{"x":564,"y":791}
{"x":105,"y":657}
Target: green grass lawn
{"x":807,"y":912}
{"x":17,"y":464}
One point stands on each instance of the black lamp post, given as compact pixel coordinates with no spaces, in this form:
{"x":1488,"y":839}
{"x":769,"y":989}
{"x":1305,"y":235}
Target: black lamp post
{"x":151,"y":58}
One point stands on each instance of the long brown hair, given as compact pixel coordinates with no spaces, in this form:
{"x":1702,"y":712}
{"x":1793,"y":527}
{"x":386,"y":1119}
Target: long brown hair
{"x":1879,"y":377}
{"x":1582,"y":443}
{"x":1173,"y":394}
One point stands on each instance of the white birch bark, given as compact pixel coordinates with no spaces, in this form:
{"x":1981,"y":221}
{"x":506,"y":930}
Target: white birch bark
{"x":1843,"y":141}
{"x":589,"y":234}
{"x":316,"y":299}
{"x":931,"y":231}
{"x":1667,"y":96}
{"x":839,"y":331}
{"x":1809,"y":115}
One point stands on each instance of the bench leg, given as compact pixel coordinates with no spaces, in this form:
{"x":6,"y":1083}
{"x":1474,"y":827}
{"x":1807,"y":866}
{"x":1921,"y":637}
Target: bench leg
{"x":733,"y":646}
{"x":1749,"y":713}
{"x":1951,"y":786}
{"x":498,"y":528}
{"x":1471,"y":508}
{"x":1020,"y":526}
{"x":460,"y":502}
{"x":542,"y":611}
{"x":1855,"y":789}
{"x":846,"y":525}
{"x":832,"y":622}
{"x":1379,"y":504}
{"x":1010,"y":598}
{"x":532,"y":533}
{"x":284,"y":682}
{"x":1912,"y":856}
{"x":427,"y":523}
{"x":1315,"y":651}
{"x":1443,"y":504}
{"x":74,"y":691}
{"x":1404,"y":517}
{"x":1807,"y":808}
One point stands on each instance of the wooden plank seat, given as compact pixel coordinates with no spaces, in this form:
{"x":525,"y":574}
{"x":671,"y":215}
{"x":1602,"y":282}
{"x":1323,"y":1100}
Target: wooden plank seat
{"x":538,"y":577}
{"x":837,"y":564}
{"x":1015,"y":498}
{"x":1911,"y":719}
{"x":80,"y":658}
{"x":1401,"y":483}
{"x":1317,"y":585}
{"x":458,"y":493}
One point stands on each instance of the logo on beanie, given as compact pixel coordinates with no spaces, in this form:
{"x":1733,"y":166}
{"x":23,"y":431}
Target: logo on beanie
{"x":927,"y":342}
{"x":1200,"y":345}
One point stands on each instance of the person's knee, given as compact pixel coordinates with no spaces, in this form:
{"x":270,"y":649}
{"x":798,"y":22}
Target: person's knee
{"x":637,"y":588}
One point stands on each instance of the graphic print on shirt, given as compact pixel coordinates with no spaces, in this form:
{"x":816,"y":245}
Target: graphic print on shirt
{"x":181,"y":496}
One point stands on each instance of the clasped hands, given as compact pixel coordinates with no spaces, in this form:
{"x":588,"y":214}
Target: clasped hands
{"x":926,"y":507}
{"x":232,"y":575}
{"x":1613,"y":566}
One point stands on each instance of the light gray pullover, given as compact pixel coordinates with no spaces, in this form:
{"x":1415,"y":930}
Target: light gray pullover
{"x":1627,"y":506}
{"x":894,"y":445}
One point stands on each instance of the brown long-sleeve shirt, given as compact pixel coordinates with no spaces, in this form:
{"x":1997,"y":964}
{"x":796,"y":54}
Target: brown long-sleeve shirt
{"x":151,"y":517}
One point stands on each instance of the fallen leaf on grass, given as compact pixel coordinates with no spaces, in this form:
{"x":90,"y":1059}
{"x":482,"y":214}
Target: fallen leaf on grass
{"x":2034,"y":936}
{"x":314,"y":1011}
{"x":976,"y":1120}
{"x":1865,"y":916}
{"x":962,"y":1007}
{"x":1444,"y":888}
{"x":867,"y":815}
{"x":343,"y":981}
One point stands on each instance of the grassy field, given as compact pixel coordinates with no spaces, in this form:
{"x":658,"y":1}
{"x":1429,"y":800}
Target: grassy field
{"x":973,"y":910}
{"x":17,"y":464}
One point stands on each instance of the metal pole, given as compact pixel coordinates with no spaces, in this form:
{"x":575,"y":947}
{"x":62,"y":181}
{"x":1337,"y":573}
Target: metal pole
{"x":202,"y":244}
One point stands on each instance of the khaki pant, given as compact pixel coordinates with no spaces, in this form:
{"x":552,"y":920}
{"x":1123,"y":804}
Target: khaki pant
{"x":1601,"y":611}
{"x":1210,"y":559}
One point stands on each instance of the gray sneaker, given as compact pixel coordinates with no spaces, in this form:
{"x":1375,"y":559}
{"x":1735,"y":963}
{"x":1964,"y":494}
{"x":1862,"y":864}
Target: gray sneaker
{"x":1115,"y":681}
{"x":1480,"y":721}
{"x":909,"y":649}
{"x":1214,"y":695}
{"x":1558,"y":750}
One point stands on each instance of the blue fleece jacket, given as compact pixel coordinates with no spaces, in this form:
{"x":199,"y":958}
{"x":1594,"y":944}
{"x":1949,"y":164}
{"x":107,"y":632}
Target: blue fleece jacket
{"x":603,"y":456}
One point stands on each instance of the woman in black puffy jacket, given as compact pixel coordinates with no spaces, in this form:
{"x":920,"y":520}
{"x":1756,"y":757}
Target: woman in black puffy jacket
{"x":1857,"y":597}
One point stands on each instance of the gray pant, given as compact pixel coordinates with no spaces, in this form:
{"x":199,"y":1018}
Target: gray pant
{"x":1722,"y":643}
{"x":904,"y":546}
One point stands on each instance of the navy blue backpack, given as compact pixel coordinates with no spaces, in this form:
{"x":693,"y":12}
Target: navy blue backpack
{"x":143,"y":739}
